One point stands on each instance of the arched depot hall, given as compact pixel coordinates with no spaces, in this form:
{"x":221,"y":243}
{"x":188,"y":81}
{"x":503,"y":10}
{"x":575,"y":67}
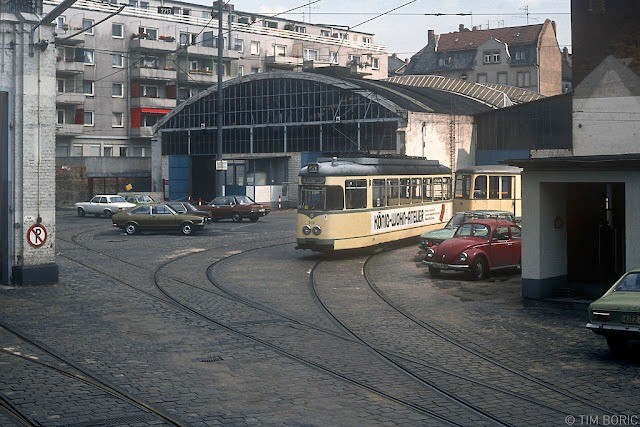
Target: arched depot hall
{"x":274,"y":123}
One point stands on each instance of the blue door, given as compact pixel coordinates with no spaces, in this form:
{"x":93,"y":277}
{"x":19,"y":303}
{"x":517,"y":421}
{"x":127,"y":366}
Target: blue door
{"x":235,"y":183}
{"x":179,"y":177}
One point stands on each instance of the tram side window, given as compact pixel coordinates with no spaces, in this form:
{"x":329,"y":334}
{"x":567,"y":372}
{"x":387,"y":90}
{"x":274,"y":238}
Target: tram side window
{"x":379,"y":194}
{"x":438,"y":193}
{"x":355,"y":193}
{"x":494,"y":187}
{"x":427,"y":190}
{"x":507,"y":187}
{"x":446,"y":188}
{"x":416,"y":193}
{"x":405,"y":191}
{"x":393,"y":193}
{"x":480,"y":187}
{"x":463,"y":187}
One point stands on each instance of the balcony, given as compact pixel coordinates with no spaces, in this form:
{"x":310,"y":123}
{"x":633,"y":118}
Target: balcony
{"x":148,"y":102}
{"x":198,"y":77}
{"x":67,"y":129}
{"x":153,"y":45}
{"x":70,"y":98}
{"x":153,"y":74}
{"x":283,"y":62}
{"x":69,"y":67}
{"x":142,"y":132}
{"x":67,"y":36}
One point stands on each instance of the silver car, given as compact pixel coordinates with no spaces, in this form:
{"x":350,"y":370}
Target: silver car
{"x":103,"y":204}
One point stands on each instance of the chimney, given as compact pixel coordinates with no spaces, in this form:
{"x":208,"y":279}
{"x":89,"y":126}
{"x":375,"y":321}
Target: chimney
{"x":555,"y":30}
{"x":461,"y":28}
{"x":565,"y":53}
{"x":431,"y":38}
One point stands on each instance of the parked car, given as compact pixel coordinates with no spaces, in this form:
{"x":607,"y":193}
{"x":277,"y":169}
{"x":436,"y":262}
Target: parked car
{"x":236,"y":208}
{"x":478,"y":247}
{"x":616,"y":315}
{"x":435,"y":237}
{"x":188,"y":208}
{"x":103,"y":204}
{"x":138,"y":199}
{"x":158,"y":216}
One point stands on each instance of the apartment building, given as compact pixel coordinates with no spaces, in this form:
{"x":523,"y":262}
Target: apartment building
{"x":119,"y":69}
{"x":527,"y":57}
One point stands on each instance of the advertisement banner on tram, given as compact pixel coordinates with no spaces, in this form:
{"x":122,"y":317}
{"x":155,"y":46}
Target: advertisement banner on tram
{"x":383,"y":221}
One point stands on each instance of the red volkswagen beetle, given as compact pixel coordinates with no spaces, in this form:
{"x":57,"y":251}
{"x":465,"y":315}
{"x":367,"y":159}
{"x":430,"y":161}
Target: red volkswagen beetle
{"x":478,"y":247}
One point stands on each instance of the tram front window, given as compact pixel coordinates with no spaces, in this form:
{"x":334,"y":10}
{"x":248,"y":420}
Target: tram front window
{"x":321,"y":198}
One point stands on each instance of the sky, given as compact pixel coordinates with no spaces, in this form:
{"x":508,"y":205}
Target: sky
{"x":404,"y":31}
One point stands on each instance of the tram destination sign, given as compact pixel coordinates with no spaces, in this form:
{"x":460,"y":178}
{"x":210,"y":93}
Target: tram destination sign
{"x":383,"y":221}
{"x":312,"y":180}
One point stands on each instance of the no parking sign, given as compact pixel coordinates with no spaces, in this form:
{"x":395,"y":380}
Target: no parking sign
{"x":37,"y":235}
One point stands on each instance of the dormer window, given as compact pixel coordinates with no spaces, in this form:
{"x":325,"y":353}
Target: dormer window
{"x":492,"y":57}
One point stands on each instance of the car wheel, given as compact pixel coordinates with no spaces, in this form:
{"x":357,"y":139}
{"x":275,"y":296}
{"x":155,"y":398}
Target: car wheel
{"x":81,"y":212}
{"x":107,"y":213}
{"x":478,"y":269}
{"x":236,"y":217}
{"x":617,"y":345}
{"x":253,"y":219}
{"x":434,"y":271}
{"x":131,"y":229}
{"x":186,"y":228}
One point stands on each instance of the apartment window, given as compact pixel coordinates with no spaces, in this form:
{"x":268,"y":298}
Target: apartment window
{"x":243,"y":20}
{"x":60,"y":86}
{"x":311,"y":54}
{"x":333,"y":57}
{"x":87,"y":26}
{"x":117,"y":60}
{"x":240,"y":70}
{"x":88,"y":57}
{"x":62,"y":150}
{"x":123,"y":151}
{"x":354,"y":60}
{"x":94,"y":150}
{"x":193,"y":65}
{"x":61,"y":23}
{"x":375,"y":63}
{"x":183,"y":93}
{"x":133,"y":3}
{"x":279,"y":50}
{"x":152,"y":33}
{"x":325,"y":33}
{"x":87,"y":87}
{"x":255,"y":48}
{"x":481,"y":78}
{"x":366,"y":40}
{"x":301,"y":29}
{"x":60,"y":114}
{"x":88,"y":118}
{"x":523,"y":79}
{"x":520,"y":55}
{"x":149,"y":91}
{"x":191,"y":39}
{"x":492,"y":57}
{"x":76,"y":150}
{"x":186,"y":12}
{"x":239,"y":46}
{"x":269,"y":24}
{"x":117,"y":31}
{"x":117,"y":120}
{"x":150,"y":62}
{"x":255,"y":70}
{"x":117,"y":90}
{"x":502,"y":78}
{"x":107,"y":151}
{"x":144,"y":5}
{"x":149,"y":120}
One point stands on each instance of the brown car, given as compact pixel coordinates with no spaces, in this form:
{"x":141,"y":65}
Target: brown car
{"x":236,"y":208}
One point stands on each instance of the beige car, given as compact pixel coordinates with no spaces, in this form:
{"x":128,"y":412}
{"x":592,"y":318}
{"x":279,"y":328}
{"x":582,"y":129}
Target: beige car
{"x":103,"y":204}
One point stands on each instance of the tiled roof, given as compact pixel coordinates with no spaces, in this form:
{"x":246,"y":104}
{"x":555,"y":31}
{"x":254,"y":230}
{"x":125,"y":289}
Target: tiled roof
{"x":471,"y":39}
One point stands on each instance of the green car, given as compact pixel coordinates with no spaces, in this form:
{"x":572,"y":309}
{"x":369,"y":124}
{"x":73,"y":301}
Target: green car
{"x":435,"y":237}
{"x":156,"y":217}
{"x":616,"y":315}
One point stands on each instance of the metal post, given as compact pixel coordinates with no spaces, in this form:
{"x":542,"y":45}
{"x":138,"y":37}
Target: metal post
{"x":219,"y":104}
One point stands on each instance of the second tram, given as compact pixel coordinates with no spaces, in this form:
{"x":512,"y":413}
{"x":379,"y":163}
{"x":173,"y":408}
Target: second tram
{"x":490,"y":187}
{"x":362,"y":202}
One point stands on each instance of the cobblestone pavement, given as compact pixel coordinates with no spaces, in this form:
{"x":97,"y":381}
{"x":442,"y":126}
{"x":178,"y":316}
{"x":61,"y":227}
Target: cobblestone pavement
{"x":233,"y":326}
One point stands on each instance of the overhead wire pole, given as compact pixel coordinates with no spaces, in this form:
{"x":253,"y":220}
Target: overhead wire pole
{"x":219,"y":105}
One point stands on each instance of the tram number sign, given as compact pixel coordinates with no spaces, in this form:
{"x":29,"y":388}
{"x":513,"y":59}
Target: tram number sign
{"x":37,"y":235}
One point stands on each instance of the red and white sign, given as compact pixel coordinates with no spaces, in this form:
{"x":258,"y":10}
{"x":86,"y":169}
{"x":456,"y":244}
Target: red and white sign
{"x":37,"y":235}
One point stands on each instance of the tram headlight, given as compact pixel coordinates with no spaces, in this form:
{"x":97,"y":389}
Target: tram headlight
{"x":463,"y":256}
{"x":316,"y":230}
{"x":306,"y":230}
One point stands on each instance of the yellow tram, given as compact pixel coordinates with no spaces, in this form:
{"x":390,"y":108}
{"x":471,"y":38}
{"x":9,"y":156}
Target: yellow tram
{"x":366,"y":201}
{"x":489,"y":187}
